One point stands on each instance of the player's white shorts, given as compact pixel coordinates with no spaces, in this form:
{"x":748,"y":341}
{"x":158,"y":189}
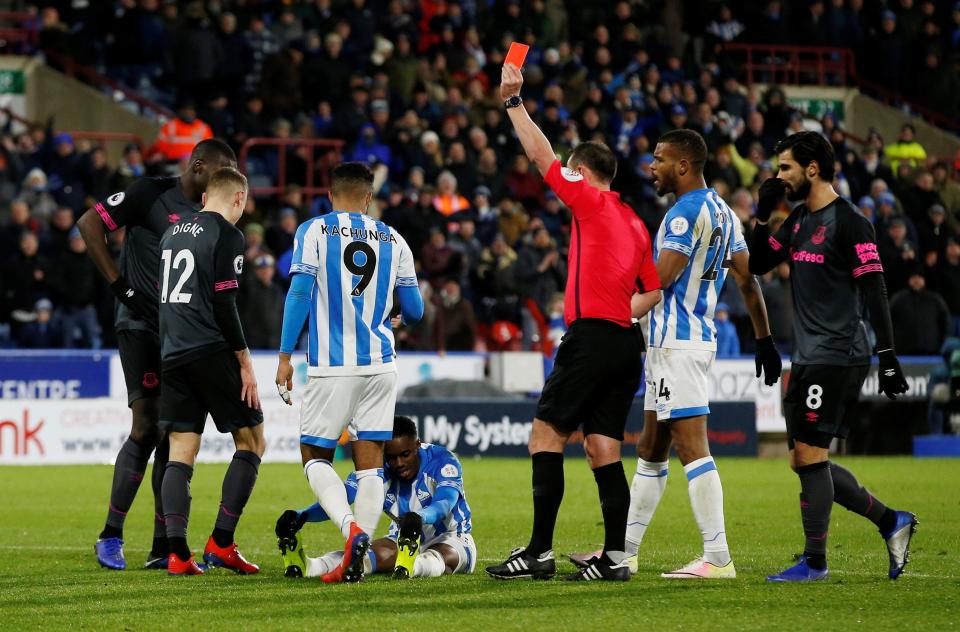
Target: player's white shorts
{"x":362,"y":404}
{"x":464,"y":545}
{"x":678,"y":382}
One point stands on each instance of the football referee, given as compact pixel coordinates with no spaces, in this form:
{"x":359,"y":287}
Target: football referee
{"x":836,"y":275}
{"x":598,"y":366}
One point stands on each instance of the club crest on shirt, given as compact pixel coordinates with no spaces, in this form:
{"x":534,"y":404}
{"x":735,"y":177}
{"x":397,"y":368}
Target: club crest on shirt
{"x":570,"y":175}
{"x":679,"y":225}
{"x":819,"y":235}
{"x":238,"y":264}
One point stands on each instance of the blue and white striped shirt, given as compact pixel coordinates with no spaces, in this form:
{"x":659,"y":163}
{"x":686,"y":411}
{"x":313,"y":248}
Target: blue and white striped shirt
{"x":701,"y":226}
{"x":357,"y":262}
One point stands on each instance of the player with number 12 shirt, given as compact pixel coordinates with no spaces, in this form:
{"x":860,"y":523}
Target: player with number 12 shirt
{"x":207,"y":369}
{"x":145,"y":210}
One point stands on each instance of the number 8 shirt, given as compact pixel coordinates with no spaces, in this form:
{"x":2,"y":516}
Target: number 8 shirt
{"x":357,"y":262}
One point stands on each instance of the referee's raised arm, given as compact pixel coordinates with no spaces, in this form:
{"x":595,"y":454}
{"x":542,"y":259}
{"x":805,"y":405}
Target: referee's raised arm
{"x":535,"y":144}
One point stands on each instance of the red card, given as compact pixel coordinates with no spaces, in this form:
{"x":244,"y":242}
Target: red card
{"x":516,"y":54}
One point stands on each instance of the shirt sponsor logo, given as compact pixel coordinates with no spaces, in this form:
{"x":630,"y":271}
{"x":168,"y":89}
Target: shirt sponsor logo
{"x":819,"y":236}
{"x":807,"y":257}
{"x":116,"y":198}
{"x":679,"y":225}
{"x":867,"y":252}
{"x":571,"y":175}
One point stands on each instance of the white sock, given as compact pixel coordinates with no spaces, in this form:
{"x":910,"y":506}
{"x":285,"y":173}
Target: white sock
{"x":645,"y":493}
{"x":429,"y":564}
{"x":369,"y":501}
{"x":331,"y":493}
{"x":706,"y":499}
{"x":317,"y":566}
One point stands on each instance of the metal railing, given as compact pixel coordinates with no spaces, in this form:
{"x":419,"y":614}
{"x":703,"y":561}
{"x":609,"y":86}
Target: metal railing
{"x":819,"y":65}
{"x":317,"y":166}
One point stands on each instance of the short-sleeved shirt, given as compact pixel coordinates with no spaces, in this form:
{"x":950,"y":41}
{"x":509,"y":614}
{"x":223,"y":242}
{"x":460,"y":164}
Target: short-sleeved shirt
{"x":200,"y":255}
{"x":610,"y":253}
{"x":357,"y":262}
{"x":439,"y":467}
{"x":702,"y":227}
{"x":827,"y":250}
{"x":146,"y":209}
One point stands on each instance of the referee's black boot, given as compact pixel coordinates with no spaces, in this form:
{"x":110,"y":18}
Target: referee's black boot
{"x":602,"y":568}
{"x":522,"y":564}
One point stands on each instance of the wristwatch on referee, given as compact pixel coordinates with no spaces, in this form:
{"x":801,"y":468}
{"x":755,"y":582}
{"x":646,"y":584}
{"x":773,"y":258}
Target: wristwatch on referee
{"x":512,"y":102}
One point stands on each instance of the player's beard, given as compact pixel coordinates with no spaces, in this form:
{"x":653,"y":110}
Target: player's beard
{"x":799,"y":193}
{"x":663,"y":186}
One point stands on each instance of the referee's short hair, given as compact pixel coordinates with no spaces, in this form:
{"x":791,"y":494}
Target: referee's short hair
{"x":689,"y":144}
{"x":404,"y":427}
{"x":227,"y":179}
{"x":598,"y":157}
{"x":807,"y":147}
{"x":352,"y":179}
{"x":211,"y":150}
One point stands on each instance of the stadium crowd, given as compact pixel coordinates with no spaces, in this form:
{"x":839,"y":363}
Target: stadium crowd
{"x":410,"y":87}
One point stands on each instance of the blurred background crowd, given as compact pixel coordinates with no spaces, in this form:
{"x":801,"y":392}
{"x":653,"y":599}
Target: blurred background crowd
{"x":409,"y":86}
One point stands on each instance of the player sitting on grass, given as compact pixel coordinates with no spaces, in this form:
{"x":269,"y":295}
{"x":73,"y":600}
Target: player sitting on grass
{"x":423,"y":485}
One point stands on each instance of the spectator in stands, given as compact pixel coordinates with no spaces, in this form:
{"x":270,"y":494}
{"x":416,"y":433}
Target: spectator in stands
{"x":496,"y":282}
{"x":915,"y":305}
{"x":57,"y":241}
{"x":448,"y":200}
{"x":490,"y":176}
{"x":898,"y":255}
{"x":488,"y":224}
{"x":36,"y":194}
{"x":74,"y":281}
{"x":456,"y":326}
{"x":933,"y":233}
{"x":71,"y":170}
{"x":20,"y":222}
{"x":369,"y":150}
{"x":24,"y":278}
{"x":42,"y":332}
{"x":906,"y":149}
{"x":261,"y":305}
{"x":178,"y":136}
{"x":540,"y":271}
{"x":945,"y":280}
{"x":728,"y":344}
{"x":948,"y":190}
{"x":523,"y":185}
{"x":466,"y":244}
{"x":279,"y":237}
{"x":195,"y":54}
{"x":440,"y":262}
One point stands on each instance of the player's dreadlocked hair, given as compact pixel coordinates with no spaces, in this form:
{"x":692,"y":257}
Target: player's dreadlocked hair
{"x":807,"y":147}
{"x":404,"y":427}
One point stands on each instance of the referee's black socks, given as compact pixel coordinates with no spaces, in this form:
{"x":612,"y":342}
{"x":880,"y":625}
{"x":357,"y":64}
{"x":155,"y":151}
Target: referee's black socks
{"x":614,"y":503}
{"x":547,"y":495}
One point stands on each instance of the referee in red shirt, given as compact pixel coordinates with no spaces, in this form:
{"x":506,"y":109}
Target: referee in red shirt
{"x":611,"y":278}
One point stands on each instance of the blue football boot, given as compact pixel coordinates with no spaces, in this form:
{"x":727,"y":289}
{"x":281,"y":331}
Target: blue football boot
{"x":110,"y":553}
{"x":799,"y":572}
{"x":898,"y":542}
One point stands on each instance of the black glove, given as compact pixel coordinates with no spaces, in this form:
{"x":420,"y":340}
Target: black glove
{"x":770,"y":195}
{"x":411,"y":526}
{"x":768,"y":360}
{"x":138,"y":302}
{"x":890,"y":380}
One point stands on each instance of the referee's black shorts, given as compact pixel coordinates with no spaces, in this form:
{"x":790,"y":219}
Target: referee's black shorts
{"x":821,"y":402}
{"x":140,"y":358}
{"x":210,"y":384}
{"x":595,"y":377}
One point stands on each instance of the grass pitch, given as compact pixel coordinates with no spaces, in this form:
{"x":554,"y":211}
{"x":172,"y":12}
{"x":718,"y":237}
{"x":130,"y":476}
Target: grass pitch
{"x":49,"y":578}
